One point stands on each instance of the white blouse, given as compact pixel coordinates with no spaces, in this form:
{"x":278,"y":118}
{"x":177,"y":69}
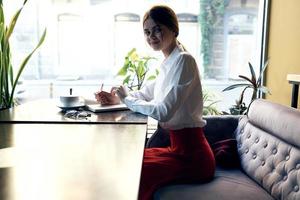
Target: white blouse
{"x":175,"y":98}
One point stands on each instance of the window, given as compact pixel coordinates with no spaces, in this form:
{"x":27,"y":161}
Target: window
{"x":88,"y":39}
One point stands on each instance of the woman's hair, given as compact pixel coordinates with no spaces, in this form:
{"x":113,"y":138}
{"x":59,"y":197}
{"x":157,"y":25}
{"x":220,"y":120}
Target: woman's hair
{"x":164,"y":15}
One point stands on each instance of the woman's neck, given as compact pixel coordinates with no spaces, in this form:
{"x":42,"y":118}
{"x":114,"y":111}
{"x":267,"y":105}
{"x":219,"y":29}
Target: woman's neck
{"x":169,"y":49}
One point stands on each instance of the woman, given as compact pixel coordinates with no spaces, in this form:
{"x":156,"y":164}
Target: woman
{"x":175,"y":100}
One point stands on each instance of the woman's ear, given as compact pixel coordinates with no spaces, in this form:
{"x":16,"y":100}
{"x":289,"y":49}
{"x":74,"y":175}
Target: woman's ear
{"x":175,"y":34}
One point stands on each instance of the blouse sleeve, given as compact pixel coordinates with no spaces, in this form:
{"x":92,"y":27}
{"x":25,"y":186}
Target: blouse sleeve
{"x":177,"y":92}
{"x":145,"y":93}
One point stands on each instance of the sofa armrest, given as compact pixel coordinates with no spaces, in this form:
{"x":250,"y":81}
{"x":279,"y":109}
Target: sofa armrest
{"x":218,"y":127}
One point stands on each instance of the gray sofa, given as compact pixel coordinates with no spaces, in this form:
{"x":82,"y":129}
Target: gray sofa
{"x":268,"y":149}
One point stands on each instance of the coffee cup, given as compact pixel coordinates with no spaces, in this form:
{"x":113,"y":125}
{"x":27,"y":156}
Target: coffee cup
{"x":70,"y":100}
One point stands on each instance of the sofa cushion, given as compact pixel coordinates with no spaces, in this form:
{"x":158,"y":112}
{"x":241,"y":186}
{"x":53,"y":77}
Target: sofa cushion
{"x":227,"y":185}
{"x":220,"y":127}
{"x":226,"y":154}
{"x":268,"y":145}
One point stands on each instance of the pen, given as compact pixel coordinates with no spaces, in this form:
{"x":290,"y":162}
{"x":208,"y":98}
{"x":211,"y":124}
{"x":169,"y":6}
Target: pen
{"x":101,"y":87}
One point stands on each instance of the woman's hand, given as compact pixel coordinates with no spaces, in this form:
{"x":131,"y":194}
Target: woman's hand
{"x":121,"y":92}
{"x":106,"y":98}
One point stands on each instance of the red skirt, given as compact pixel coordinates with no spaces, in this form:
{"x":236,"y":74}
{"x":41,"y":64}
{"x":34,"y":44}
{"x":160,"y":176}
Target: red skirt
{"x":189,"y":159}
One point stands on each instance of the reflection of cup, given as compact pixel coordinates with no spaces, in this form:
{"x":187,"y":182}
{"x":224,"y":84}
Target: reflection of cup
{"x":70,"y":100}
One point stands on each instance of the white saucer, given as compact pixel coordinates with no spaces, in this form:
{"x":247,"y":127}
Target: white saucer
{"x":68,"y":107}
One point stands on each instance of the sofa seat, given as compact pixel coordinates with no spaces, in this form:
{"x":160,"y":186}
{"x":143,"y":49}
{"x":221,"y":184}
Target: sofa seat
{"x":228,"y":184}
{"x":267,"y":150}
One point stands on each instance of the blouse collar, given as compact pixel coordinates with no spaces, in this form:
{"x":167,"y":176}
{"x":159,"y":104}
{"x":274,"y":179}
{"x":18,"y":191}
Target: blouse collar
{"x":171,"y":57}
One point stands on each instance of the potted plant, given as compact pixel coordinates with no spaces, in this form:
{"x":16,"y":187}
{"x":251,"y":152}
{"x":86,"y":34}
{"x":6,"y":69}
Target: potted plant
{"x":254,"y":83}
{"x":8,"y":79}
{"x":209,"y":103}
{"x":135,"y":69}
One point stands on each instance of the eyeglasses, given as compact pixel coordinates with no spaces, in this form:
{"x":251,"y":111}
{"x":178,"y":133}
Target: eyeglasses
{"x":77,"y":114}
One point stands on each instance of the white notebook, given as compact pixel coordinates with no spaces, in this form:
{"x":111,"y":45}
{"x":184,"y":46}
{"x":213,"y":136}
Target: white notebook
{"x":105,"y":108}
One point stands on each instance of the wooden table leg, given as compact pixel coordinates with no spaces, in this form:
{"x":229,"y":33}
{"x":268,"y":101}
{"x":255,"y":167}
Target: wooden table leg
{"x":295,"y":91}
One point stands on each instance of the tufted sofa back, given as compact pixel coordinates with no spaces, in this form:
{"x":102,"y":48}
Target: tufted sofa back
{"x":269,"y":147}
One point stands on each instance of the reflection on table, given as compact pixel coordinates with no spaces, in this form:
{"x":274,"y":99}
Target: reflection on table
{"x":71,"y":161}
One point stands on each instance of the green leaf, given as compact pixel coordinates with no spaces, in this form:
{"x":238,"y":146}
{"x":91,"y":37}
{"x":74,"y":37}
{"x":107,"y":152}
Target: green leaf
{"x":12,"y":24}
{"x":236,"y":86}
{"x":126,"y":80}
{"x":157,"y":72}
{"x":140,"y":69}
{"x":131,"y":65}
{"x":1,"y":13}
{"x":122,"y":71}
{"x":136,"y":67}
{"x":247,"y":79}
{"x":11,"y":74}
{"x":212,"y":103}
{"x":262,"y":72}
{"x":152,"y":77}
{"x":253,"y":76}
{"x":133,"y":50}
{"x":2,"y":31}
{"x":131,"y":70}
{"x":23,"y":64}
{"x":264,"y":89}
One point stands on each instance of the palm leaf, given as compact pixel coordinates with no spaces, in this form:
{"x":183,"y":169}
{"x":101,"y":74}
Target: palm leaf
{"x":264,"y":89}
{"x":23,"y":64}
{"x":236,"y":86}
{"x":247,"y":79}
{"x":5,"y":66}
{"x":12,"y":24}
{"x":253,"y":75}
{"x":212,"y":103}
{"x":2,"y":30}
{"x":1,"y":13}
{"x":262,"y":72}
{"x":9,"y":66}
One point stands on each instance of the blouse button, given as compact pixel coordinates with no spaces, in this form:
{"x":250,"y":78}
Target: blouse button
{"x":265,"y":145}
{"x":249,"y":135}
{"x":284,"y":178}
{"x":287,"y":158}
{"x":247,"y":150}
{"x":298,"y":166}
{"x":256,"y":140}
{"x":263,"y":163}
{"x":274,"y":151}
{"x":296,"y":188}
{"x":254,"y":156}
